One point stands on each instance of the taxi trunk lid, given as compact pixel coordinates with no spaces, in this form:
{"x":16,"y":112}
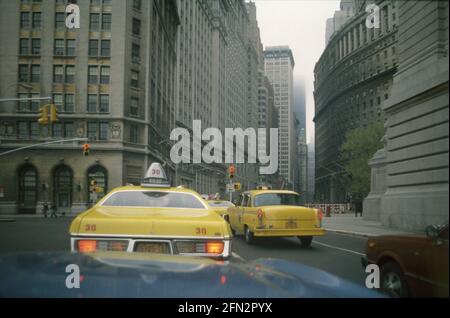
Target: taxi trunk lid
{"x":157,"y":222}
{"x":295,"y":216}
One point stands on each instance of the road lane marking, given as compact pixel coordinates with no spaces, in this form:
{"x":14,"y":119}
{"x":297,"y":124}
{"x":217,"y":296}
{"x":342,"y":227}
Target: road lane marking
{"x":339,"y":248}
{"x":237,"y":256}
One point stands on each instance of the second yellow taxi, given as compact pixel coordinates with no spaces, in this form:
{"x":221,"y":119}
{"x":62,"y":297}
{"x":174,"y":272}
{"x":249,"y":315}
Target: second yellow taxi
{"x":275,"y":213}
{"x":152,"y":218}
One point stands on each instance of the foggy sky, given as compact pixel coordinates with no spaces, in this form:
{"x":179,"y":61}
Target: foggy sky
{"x":301,"y":25}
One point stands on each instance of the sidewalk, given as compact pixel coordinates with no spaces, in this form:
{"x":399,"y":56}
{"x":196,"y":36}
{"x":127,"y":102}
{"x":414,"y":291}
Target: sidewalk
{"x":349,"y":224}
{"x":14,"y":217}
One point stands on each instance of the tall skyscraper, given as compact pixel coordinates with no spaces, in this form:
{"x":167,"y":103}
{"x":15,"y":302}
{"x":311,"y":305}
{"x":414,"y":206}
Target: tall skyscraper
{"x":279,"y":66}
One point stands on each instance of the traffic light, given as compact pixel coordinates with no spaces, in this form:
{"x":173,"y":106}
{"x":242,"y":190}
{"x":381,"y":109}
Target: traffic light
{"x":86,"y":149}
{"x":237,"y":186}
{"x":43,"y":115}
{"x":53,"y":114}
{"x":231,"y":171}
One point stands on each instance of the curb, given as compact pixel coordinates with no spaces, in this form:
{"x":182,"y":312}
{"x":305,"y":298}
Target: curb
{"x":7,"y":220}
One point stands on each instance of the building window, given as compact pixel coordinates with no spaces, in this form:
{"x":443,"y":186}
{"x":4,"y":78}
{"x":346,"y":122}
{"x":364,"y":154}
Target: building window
{"x":59,"y":47}
{"x":35,"y":73}
{"x":106,"y":48}
{"x":25,"y":20}
{"x":24,"y":47}
{"x":71,"y":47}
{"x":104,"y":104}
{"x":69,"y":103}
{"x":103,"y":131}
{"x":28,"y":181}
{"x":137,"y":4}
{"x":134,"y":134}
{"x":135,"y":53}
{"x":60,"y":20}
{"x":92,"y":103}
{"x":36,"y":20}
{"x":22,"y":130}
{"x":136,"y":26}
{"x":97,"y":175}
{"x":104,"y":75}
{"x":93,"y":48}
{"x":93,"y":75}
{"x":134,"y":79}
{"x":58,"y":101}
{"x":94,"y":21}
{"x":58,"y":74}
{"x":23,"y":73}
{"x":63,"y":180}
{"x":134,"y":106}
{"x":92,"y":131}
{"x":68,"y":130}
{"x":57,"y":131}
{"x":106,"y":22}
{"x":70,"y":74}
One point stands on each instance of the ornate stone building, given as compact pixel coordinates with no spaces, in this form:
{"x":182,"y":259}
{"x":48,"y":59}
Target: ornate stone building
{"x":112,"y":81}
{"x":410,"y":174}
{"x":353,"y":79}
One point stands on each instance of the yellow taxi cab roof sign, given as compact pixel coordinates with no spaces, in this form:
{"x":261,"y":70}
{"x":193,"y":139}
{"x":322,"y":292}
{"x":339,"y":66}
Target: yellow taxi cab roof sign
{"x":155,"y":176}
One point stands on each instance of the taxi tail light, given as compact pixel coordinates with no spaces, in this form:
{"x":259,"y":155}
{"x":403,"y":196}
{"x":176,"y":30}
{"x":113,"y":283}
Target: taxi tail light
{"x":89,"y":246}
{"x":320,"y":216}
{"x":86,"y":246}
{"x":200,"y":247}
{"x":214,"y":247}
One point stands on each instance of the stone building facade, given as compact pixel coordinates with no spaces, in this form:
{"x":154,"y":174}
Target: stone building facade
{"x":410,"y":174}
{"x":353,"y":80}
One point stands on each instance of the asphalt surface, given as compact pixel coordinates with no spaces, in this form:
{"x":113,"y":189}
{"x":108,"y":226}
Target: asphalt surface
{"x":335,"y":253}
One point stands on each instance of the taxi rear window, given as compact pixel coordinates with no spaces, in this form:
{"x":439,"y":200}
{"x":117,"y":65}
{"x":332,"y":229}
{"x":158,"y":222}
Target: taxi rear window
{"x":154,"y":199}
{"x":277,"y":199}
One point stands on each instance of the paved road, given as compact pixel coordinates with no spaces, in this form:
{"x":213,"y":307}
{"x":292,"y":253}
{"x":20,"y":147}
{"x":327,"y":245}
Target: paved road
{"x":335,"y":253}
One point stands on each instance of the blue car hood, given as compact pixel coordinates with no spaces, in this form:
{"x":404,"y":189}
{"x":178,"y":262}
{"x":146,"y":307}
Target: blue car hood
{"x":112,"y":275}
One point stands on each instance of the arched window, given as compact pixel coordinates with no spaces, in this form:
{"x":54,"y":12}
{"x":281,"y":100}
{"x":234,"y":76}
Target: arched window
{"x":63,"y":181}
{"x":28,"y":187}
{"x":97,"y":184}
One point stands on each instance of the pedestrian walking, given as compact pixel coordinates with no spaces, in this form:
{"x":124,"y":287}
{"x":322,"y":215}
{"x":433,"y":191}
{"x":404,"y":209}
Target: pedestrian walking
{"x":53,"y":211}
{"x":45,"y":210}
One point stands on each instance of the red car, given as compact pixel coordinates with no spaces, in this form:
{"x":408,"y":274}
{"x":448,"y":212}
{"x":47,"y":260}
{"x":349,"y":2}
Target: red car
{"x":412,"y":265}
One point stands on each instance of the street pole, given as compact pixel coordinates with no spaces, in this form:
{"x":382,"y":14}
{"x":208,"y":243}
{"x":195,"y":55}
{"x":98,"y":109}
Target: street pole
{"x":42,"y":144}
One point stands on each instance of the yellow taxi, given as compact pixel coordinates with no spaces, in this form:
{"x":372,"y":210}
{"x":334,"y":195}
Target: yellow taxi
{"x":275,"y":213}
{"x":152,"y":218}
{"x":221,"y":207}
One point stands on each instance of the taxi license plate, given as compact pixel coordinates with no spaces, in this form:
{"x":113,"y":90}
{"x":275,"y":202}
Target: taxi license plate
{"x":152,"y":247}
{"x":291,"y":225}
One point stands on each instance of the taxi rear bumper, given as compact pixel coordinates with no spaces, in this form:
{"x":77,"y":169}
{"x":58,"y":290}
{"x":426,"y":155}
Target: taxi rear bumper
{"x":132,"y":242}
{"x":289,"y":232}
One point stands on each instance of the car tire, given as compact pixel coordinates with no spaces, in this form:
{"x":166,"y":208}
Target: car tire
{"x":393,"y":281}
{"x":305,"y":241}
{"x":248,"y":235}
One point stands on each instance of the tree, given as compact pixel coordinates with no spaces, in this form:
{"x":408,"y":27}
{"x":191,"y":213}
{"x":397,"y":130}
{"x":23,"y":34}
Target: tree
{"x":359,"y":147}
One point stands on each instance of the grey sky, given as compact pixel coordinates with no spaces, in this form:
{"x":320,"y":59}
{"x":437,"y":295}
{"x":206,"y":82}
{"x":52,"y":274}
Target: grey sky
{"x":301,"y":25}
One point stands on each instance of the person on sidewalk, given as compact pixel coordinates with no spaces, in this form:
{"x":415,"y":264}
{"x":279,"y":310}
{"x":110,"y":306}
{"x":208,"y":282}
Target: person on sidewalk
{"x":358,"y":208}
{"x":53,"y":211}
{"x":45,"y":210}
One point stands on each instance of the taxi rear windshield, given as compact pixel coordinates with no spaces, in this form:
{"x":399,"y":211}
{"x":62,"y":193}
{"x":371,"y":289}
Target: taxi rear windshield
{"x":154,"y":199}
{"x":277,"y":199}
